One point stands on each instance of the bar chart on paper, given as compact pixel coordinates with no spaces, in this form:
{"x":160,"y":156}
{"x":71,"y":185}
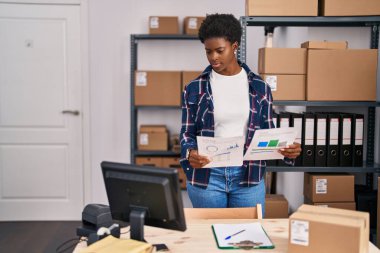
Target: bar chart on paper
{"x":266,"y":143}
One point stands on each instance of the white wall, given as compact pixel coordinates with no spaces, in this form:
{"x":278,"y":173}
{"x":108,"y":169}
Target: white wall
{"x":110,"y":24}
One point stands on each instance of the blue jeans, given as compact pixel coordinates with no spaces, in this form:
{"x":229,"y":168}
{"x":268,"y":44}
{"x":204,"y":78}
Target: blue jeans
{"x":223,"y":190}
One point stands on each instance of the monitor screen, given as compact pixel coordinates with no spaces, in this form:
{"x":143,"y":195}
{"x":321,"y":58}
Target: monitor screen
{"x":144,"y":195}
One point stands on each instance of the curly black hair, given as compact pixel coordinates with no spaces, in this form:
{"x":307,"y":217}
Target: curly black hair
{"x":220,"y":26}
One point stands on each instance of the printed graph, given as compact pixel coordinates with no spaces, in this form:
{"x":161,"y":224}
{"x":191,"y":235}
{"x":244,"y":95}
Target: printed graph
{"x":271,"y":144}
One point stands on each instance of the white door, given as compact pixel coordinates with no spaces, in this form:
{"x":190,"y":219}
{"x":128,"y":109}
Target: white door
{"x":41,"y":146}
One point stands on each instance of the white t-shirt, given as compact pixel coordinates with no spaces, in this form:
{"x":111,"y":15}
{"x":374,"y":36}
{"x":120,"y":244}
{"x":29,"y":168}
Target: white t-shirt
{"x":231,"y":103}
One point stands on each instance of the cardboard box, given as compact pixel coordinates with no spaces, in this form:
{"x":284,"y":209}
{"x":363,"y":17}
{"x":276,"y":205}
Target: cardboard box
{"x":276,"y":206}
{"x":191,"y":25}
{"x":163,"y":25}
{"x":340,"y":205}
{"x":153,"y":137}
{"x":282,"y":61}
{"x":325,"y":44}
{"x":148,"y":84}
{"x":149,"y":161}
{"x":281,"y":8}
{"x":341,"y":75}
{"x":333,"y":187}
{"x":350,"y":7}
{"x":311,"y":229}
{"x":287,"y":87}
{"x":188,"y":76}
{"x":173,"y":162}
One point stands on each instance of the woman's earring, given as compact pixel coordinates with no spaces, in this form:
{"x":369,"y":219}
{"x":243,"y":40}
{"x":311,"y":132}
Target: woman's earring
{"x":235,"y":52}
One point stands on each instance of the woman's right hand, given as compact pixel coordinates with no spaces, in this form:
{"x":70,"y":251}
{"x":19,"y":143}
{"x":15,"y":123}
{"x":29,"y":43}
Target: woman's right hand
{"x":197,"y":161}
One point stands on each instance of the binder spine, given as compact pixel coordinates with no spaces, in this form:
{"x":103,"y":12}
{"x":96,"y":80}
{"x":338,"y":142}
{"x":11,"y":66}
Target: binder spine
{"x":345,"y":140}
{"x":320,"y":140}
{"x":308,"y":153}
{"x":332,"y":139}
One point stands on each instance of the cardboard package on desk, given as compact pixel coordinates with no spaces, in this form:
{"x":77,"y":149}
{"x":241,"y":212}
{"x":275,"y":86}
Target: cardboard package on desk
{"x":153,"y":137}
{"x":318,"y":229}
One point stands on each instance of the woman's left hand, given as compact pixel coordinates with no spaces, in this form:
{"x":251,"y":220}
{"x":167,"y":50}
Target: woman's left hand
{"x":291,"y":151}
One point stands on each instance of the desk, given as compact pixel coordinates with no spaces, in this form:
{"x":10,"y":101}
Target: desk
{"x":199,"y":237}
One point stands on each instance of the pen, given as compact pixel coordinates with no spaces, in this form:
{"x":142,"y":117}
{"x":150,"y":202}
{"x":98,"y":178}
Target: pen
{"x":229,"y":237}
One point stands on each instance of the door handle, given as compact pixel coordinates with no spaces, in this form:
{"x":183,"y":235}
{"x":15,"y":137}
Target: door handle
{"x":75,"y":112}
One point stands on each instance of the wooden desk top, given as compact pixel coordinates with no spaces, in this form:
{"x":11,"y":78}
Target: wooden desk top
{"x":199,"y":237}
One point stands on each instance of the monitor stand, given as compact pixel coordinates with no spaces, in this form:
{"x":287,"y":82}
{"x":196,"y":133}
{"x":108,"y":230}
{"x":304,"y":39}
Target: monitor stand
{"x":136,"y":222}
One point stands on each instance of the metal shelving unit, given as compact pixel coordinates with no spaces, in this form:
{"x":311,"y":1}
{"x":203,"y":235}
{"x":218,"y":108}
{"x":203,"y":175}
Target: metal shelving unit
{"x":375,"y":168}
{"x":365,"y":21}
{"x":135,"y":39}
{"x":362,"y":21}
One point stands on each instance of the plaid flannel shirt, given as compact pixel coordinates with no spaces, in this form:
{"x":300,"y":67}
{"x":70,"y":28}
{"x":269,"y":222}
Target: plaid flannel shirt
{"x":198,"y":120}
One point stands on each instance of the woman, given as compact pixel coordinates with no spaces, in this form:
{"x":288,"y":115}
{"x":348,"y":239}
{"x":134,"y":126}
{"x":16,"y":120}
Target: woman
{"x":226,"y":100}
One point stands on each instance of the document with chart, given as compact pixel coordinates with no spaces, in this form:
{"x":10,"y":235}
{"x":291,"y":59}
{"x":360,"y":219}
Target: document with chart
{"x":221,"y":151}
{"x":266,"y":143}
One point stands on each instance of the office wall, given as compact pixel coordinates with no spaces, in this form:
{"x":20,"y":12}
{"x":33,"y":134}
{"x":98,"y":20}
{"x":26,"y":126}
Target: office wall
{"x":110,"y":24}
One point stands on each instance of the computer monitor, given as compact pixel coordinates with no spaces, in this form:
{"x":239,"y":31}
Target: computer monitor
{"x":144,"y":195}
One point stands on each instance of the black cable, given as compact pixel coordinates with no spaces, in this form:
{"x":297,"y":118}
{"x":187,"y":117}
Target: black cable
{"x":126,"y":232}
{"x":58,"y":249}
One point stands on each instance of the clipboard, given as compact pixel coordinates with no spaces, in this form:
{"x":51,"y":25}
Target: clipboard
{"x":241,"y":236}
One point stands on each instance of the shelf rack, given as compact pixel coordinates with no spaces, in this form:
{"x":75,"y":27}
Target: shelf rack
{"x":358,"y":21}
{"x":135,"y":39}
{"x":362,"y":21}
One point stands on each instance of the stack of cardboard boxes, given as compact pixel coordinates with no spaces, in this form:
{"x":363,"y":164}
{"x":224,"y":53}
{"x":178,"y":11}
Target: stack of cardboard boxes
{"x":330,"y":190}
{"x":320,"y":71}
{"x":284,"y":69}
